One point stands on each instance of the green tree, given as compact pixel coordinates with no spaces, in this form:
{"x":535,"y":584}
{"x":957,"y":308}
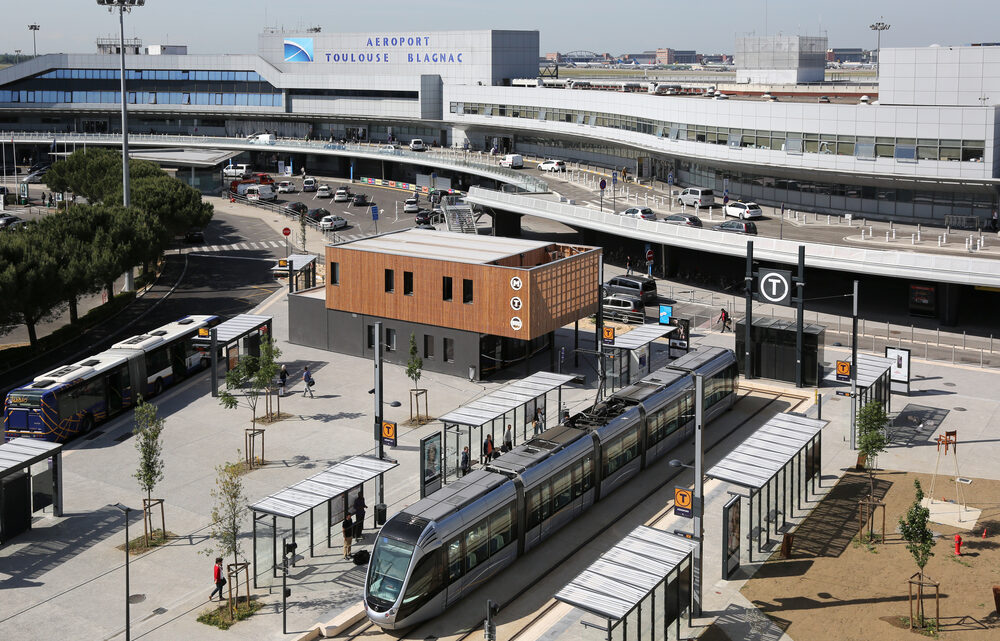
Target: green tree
{"x":148,"y":430}
{"x":253,"y":377}
{"x":267,"y":370}
{"x":29,"y":279}
{"x":229,"y":511}
{"x":871,"y":422}
{"x":919,"y":539}
{"x":415,"y":364}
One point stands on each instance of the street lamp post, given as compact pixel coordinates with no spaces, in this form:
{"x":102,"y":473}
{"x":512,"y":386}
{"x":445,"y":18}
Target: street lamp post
{"x":377,"y":391}
{"x":878,"y":28}
{"x":124,"y":6}
{"x":697,"y":590}
{"x":33,"y":28}
{"x":125,"y":510}
{"x":17,"y":56}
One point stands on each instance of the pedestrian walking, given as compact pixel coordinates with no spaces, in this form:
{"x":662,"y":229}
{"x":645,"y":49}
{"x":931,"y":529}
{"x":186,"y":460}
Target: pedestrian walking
{"x":359,"y":517}
{"x":348,"y":528}
{"x":309,"y":381}
{"x":508,"y":439}
{"x":220,"y":581}
{"x":724,"y":319}
{"x":993,"y":223}
{"x":466,"y":465}
{"x":283,"y":377}
{"x":628,"y":265}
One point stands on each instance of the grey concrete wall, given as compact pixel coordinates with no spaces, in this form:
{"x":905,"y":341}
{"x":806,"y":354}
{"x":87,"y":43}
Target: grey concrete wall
{"x":307,"y":324}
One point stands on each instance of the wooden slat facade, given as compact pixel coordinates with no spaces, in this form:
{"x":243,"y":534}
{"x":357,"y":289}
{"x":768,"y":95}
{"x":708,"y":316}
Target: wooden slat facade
{"x":559,"y":291}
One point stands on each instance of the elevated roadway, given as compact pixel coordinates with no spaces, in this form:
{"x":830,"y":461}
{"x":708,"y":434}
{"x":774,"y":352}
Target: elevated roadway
{"x":956,"y":268}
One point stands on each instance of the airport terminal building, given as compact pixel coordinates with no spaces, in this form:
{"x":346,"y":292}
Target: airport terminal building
{"x":923,"y":146}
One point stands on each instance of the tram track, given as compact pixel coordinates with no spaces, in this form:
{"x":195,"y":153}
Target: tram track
{"x":515,"y":631}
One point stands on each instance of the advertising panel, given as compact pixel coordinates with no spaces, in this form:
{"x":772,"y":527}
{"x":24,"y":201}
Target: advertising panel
{"x":731,"y":536}
{"x":430,"y":464}
{"x":899,"y":370}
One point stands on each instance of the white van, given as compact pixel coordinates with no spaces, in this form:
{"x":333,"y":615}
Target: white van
{"x":260,"y":192}
{"x":514,"y":161}
{"x":235,"y":171}
{"x":417,"y":145}
{"x":262,"y":138}
{"x":696,"y":197}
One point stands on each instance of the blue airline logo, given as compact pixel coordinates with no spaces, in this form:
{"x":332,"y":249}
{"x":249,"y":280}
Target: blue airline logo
{"x":298,"y":49}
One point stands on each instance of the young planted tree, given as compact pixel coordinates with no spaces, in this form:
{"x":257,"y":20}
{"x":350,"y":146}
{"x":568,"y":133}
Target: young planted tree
{"x":267,"y":371}
{"x":919,"y":540}
{"x":228,"y":513}
{"x":871,"y":422}
{"x":243,"y":379}
{"x":148,"y":431}
{"x":414,"y":369}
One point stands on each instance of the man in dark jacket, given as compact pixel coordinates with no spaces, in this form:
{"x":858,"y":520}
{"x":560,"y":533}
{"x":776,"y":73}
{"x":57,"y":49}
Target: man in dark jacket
{"x":359,"y":517}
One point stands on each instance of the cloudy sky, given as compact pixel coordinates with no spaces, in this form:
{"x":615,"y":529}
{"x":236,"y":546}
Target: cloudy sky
{"x":230,"y":26}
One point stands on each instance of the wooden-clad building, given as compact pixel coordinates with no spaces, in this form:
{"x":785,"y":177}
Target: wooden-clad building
{"x":472,"y":302}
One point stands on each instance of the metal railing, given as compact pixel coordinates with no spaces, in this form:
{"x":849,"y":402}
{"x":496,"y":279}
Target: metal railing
{"x":460,"y":160}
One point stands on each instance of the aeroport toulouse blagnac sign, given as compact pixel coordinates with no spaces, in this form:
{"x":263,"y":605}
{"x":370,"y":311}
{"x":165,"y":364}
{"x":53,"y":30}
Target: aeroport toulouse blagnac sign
{"x":375,"y":49}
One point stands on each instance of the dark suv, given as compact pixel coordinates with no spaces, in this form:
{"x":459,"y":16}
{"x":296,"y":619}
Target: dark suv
{"x":637,"y":285}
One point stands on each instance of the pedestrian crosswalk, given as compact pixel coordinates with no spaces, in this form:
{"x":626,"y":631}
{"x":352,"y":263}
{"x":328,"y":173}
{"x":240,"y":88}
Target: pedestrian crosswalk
{"x":259,"y":245}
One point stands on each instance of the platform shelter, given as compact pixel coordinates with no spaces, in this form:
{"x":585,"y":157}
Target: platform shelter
{"x":779,"y":464}
{"x":641,"y":585}
{"x":239,"y":336}
{"x":631,"y":354}
{"x":24,"y":488}
{"x":328,"y":495}
{"x":514,"y":404}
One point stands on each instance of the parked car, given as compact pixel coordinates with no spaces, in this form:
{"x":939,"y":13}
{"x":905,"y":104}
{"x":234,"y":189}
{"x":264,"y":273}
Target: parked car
{"x":296,"y":208}
{"x":690,"y":220}
{"x":343,"y":195}
{"x":262,"y":138}
{"x":309,"y":184}
{"x":35,"y":176}
{"x":196,"y":236}
{"x":417,"y":145}
{"x":6,"y":220}
{"x":286,"y":187}
{"x":623,"y":307}
{"x":411,"y":206}
{"x":742,"y":210}
{"x":423,"y":217}
{"x":38,"y":166}
{"x":738,"y":227}
{"x":552,"y":165}
{"x":324,"y":191}
{"x":389,"y":146}
{"x":359,"y":200}
{"x":332,"y":222}
{"x":644,"y":213}
{"x":317,"y":214}
{"x":426,"y":226}
{"x":696,"y":197}
{"x":638,"y":285}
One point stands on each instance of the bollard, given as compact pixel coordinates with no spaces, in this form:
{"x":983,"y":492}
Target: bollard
{"x":886,"y":236}
{"x":958,"y":545}
{"x":939,"y":241}
{"x":894,"y":234}
{"x":862,"y":233}
{"x":918,"y":232}
{"x":871,"y":230}
{"x":828,"y":219}
{"x":912,"y":238}
{"x":945,"y":237}
{"x":952,"y":354}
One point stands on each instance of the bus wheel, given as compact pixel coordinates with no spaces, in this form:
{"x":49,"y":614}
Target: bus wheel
{"x":87,"y":424}
{"x":157,"y":387}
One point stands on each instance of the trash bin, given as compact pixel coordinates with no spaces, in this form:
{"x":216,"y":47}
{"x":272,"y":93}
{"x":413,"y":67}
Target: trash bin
{"x":380,"y":514}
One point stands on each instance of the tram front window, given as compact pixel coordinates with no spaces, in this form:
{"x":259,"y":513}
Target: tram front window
{"x":389,"y":562}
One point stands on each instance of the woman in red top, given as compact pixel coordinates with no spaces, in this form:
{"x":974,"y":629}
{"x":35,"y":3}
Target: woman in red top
{"x":220,"y":580}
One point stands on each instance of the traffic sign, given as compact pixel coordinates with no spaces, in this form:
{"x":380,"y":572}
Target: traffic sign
{"x":603,"y":184}
{"x":683,"y":500}
{"x":286,"y":231}
{"x":608,"y":337}
{"x":649,"y":256}
{"x":614,"y":178}
{"x":775,"y":286}
{"x":374,"y":212}
{"x":670,"y":178}
{"x":389,"y":433}
{"x":843,"y":370}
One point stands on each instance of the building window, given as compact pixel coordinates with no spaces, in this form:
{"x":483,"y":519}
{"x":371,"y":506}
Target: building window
{"x":449,"y":350}
{"x":334,"y":273}
{"x":390,"y":340}
{"x":428,"y":347}
{"x":408,"y":283}
{"x":466,"y":291}
{"x":390,"y":281}
{"x":371,"y":337}
{"x":446,"y":288}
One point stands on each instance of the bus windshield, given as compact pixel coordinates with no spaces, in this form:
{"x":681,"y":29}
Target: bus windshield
{"x":389,"y":562}
{"x":28,"y":399}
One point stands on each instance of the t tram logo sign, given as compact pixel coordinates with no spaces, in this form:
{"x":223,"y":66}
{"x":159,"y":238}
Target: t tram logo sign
{"x":775,"y":286}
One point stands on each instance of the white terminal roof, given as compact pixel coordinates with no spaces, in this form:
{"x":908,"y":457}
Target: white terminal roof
{"x":459,"y":248}
{"x":641,"y":336}
{"x":624,"y":575}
